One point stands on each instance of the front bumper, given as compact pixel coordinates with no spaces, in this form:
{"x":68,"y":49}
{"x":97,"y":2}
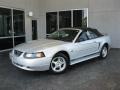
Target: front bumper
{"x":39,"y":64}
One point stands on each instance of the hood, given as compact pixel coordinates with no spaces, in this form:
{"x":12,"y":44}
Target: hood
{"x":36,"y":45}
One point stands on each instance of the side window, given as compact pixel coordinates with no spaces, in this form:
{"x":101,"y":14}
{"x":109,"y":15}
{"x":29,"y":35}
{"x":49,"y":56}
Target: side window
{"x":82,"y":37}
{"x":92,"y":35}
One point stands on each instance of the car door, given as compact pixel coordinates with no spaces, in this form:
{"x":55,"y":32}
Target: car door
{"x":84,"y":46}
{"x":93,"y":38}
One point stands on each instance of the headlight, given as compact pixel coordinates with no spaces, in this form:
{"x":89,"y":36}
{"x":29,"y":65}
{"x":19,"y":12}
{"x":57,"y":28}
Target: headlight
{"x":34,"y":55}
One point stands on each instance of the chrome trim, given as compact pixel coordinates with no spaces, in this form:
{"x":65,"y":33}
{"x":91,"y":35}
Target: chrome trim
{"x":5,"y":50}
{"x":58,"y":21}
{"x":12,"y":28}
{"x":71,"y":18}
{"x":6,"y":37}
{"x":20,"y":36}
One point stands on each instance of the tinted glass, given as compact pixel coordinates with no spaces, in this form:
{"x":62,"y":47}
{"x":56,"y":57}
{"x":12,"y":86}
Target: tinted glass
{"x":95,"y":31}
{"x":77,"y":18}
{"x":6,"y":43}
{"x":64,"y":19}
{"x":19,"y":26}
{"x":64,"y":35}
{"x":6,"y":40}
{"x":5,"y":22}
{"x":34,"y":29}
{"x":51,"y":22}
{"x":92,"y":35}
{"x":82,"y":37}
{"x":18,"y":22}
{"x":19,"y":40}
{"x":6,"y":32}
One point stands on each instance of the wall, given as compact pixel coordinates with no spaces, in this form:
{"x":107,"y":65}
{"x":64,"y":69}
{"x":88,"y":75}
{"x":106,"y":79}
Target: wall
{"x":103,"y":14}
{"x":26,"y":5}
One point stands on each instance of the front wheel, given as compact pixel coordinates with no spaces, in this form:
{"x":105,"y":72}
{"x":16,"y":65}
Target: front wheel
{"x":104,"y":52}
{"x":59,"y":63}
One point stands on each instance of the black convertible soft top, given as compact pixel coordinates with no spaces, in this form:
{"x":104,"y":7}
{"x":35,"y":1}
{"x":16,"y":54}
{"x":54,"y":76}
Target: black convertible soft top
{"x":93,"y":30}
{"x":87,"y":29}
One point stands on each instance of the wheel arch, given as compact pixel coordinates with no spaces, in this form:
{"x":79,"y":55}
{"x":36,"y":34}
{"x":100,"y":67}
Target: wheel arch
{"x":63,"y":52}
{"x":106,"y":44}
{"x":101,"y":54}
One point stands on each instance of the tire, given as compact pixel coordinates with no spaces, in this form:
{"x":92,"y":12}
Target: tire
{"x":59,"y":63}
{"x":104,"y":52}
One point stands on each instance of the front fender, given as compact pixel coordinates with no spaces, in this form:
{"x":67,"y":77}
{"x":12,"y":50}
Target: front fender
{"x":50,"y":52}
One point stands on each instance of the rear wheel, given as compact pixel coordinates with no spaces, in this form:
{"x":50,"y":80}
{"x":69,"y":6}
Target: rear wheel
{"x":104,"y":52}
{"x":59,"y":63}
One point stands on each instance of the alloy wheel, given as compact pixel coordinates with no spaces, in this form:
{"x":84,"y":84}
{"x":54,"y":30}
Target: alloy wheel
{"x":58,"y":64}
{"x":104,"y":52}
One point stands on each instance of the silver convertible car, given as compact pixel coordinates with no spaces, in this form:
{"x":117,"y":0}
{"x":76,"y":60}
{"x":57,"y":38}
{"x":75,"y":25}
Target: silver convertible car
{"x":62,"y":48}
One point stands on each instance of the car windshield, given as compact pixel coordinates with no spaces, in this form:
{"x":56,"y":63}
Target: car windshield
{"x":64,"y":35}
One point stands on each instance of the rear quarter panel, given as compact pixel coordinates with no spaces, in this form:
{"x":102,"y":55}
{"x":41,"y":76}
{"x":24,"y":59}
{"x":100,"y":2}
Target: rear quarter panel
{"x":104,"y":39}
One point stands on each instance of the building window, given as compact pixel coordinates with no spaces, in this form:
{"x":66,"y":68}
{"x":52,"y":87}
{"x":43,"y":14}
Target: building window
{"x":66,"y":19}
{"x":77,"y":18}
{"x":12,"y":28}
{"x":19,"y":26}
{"x":51,"y":22}
{"x":5,"y":22}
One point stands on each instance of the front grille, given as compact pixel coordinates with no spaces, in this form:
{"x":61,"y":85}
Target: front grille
{"x":17,"y":53}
